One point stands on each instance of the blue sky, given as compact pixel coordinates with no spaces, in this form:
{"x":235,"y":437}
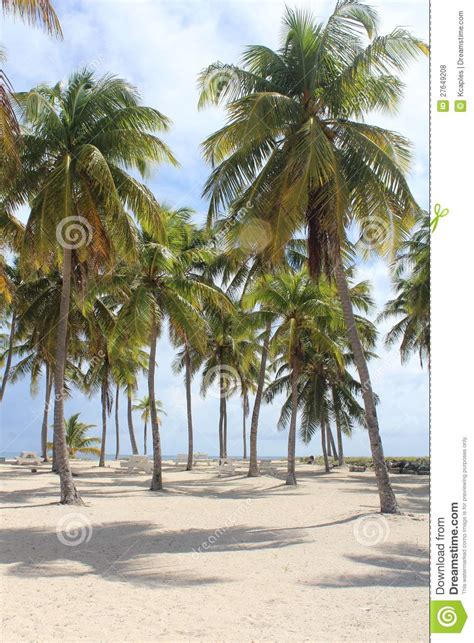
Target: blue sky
{"x":161,"y":47}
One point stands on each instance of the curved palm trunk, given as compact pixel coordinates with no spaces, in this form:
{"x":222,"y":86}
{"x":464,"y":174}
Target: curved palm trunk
{"x":253,"y":465}
{"x":187,"y":377}
{"x":44,"y":426}
{"x":117,"y":427}
{"x":323,"y":445}
{"x":103,"y":398}
{"x":157,"y":480}
{"x":8,"y":363}
{"x":388,"y":502}
{"x":133,"y":442}
{"x":291,"y":474}
{"x":221,"y":429}
{"x":145,"y":437}
{"x":69,"y":493}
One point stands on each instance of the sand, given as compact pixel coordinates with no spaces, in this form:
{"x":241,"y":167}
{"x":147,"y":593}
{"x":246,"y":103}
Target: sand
{"x":213,"y":559}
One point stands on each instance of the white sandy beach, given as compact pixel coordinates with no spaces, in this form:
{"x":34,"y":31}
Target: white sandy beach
{"x":209,"y":559}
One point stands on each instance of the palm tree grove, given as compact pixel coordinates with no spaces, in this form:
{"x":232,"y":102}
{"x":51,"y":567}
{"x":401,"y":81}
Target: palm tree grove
{"x":260,"y":305}
{"x":261,"y":299}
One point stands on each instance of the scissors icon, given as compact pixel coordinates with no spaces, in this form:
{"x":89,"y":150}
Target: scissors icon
{"x":439,"y":214}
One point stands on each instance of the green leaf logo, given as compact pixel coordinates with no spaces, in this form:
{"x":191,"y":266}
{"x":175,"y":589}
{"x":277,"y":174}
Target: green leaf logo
{"x":447,"y":617}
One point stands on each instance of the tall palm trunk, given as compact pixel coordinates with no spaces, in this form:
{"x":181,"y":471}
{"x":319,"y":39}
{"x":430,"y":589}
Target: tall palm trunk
{"x":44,"y":426}
{"x":331,"y":442}
{"x":245,"y":410}
{"x":323,"y":445}
{"x":103,"y":399}
{"x":69,"y":493}
{"x":156,"y":480}
{"x":222,"y":414}
{"x":187,"y":377}
{"x":221,"y":429}
{"x":388,"y":502}
{"x":253,"y":465}
{"x":224,"y":424}
{"x":340,"y":447}
{"x":117,"y":428}
{"x":131,"y":431}
{"x":145,"y":437}
{"x":8,"y":363}
{"x":291,"y":474}
{"x":328,"y":442}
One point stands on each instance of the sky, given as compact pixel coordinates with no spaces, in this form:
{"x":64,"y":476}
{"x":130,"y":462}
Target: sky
{"x":161,"y":47}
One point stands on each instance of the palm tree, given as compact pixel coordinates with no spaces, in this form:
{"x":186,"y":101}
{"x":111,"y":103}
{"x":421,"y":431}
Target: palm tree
{"x":76,"y":437}
{"x":161,"y":291}
{"x":35,"y":12}
{"x":412,"y":302}
{"x":295,"y":151}
{"x":143,"y":405}
{"x":296,"y":302}
{"x":82,"y":138}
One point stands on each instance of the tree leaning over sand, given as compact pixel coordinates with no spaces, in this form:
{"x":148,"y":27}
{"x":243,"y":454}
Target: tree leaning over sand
{"x":295,"y":150}
{"x":82,"y":138}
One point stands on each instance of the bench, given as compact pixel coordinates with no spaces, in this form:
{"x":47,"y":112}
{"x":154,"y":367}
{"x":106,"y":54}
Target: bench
{"x":267,"y":468}
{"x":201,"y":457}
{"x":28,"y":458}
{"x":226,"y":467}
{"x":137,"y":463}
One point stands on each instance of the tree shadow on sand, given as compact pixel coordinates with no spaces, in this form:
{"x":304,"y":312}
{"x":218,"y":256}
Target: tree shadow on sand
{"x":131,"y":552}
{"x":396,"y":565}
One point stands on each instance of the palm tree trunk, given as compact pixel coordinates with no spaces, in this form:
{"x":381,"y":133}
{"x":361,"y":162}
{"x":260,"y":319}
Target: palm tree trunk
{"x":69,"y":493}
{"x":221,"y":419}
{"x":388,"y":501}
{"x":328,"y":442}
{"x":253,"y":465}
{"x":131,"y":431}
{"x":291,"y":474}
{"x":144,"y":440}
{"x":44,"y":426}
{"x":332,"y":443}
{"x":156,"y":480}
{"x":323,"y":445}
{"x":224,"y":423}
{"x":8,"y":363}
{"x":340,"y":447}
{"x":187,"y":377}
{"x":244,"y":427}
{"x":103,"y":398}
{"x":117,"y":428}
